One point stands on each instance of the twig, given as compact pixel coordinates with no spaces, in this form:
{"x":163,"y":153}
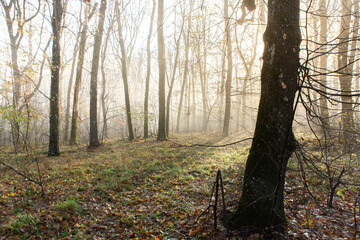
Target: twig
{"x":21,"y":174}
{"x":355,"y":219}
{"x":205,"y":145}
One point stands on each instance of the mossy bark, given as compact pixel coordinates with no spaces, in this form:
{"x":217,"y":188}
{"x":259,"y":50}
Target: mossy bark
{"x":262,"y":201}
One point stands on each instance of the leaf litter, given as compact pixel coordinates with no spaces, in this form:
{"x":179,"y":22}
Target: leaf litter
{"x":153,"y":190}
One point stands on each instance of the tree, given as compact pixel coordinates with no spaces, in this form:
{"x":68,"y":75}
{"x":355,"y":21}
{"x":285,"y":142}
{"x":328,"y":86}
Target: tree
{"x":55,"y":77}
{"x":186,"y":68}
{"x":124,"y":72}
{"x":94,"y":140}
{"x":103,"y":82}
{"x":171,"y":84}
{"x":148,"y":73}
{"x":79,"y":69}
{"x":68,"y":97}
{"x":162,"y":68}
{"x":262,"y":201}
{"x":248,"y":63}
{"x":345,"y":71}
{"x":16,"y":34}
{"x":324,"y":112}
{"x":228,"y":72}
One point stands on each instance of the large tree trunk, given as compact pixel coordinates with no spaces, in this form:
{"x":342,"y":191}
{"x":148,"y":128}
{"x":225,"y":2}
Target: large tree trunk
{"x":162,"y":66}
{"x":55,"y":77}
{"x":228,"y":71}
{"x":124,"y":74}
{"x":148,"y":73}
{"x":262,"y":201}
{"x":94,"y":140}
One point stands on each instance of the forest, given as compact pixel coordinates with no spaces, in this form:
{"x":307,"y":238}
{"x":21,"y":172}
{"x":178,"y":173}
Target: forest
{"x":179,"y":119}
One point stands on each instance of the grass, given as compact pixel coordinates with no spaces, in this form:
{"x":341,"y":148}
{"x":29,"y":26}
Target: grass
{"x":24,"y":223}
{"x":69,"y":205}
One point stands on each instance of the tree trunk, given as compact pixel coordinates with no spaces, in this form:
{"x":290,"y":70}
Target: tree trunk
{"x":193,"y":110}
{"x":55,"y":77}
{"x":324,"y":111}
{"x":202,"y":74}
{"x":262,"y":202}
{"x":162,"y":66}
{"x":124,"y":74}
{"x":228,"y":72}
{"x":222,"y":85}
{"x":94,"y":140}
{"x":103,"y":82}
{"x":248,"y":65}
{"x":173,"y":79}
{"x":148,"y":73}
{"x":15,"y":40}
{"x":79,"y":69}
{"x":186,"y":71}
{"x":183,"y":84}
{"x":344,"y":67}
{"x":68,"y":97}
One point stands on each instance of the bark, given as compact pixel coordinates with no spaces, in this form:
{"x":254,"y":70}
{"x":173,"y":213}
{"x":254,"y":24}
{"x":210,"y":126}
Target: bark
{"x":68,"y":96}
{"x":177,"y":43}
{"x":202,"y":73}
{"x":262,"y":202}
{"x":222,"y":87}
{"x":55,"y":78}
{"x":162,"y":67}
{"x":203,"y":76}
{"x":148,"y":73}
{"x":186,"y":71}
{"x":324,"y":111}
{"x":188,"y":101}
{"x":193,"y":111}
{"x":103,"y":82}
{"x":228,"y":71}
{"x":94,"y":140}
{"x":237,"y":82}
{"x":344,"y":67}
{"x":78,"y":78}
{"x":188,"y":97}
{"x":124,"y":74}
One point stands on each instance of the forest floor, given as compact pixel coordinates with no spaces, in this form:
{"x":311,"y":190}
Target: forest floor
{"x":153,"y":190}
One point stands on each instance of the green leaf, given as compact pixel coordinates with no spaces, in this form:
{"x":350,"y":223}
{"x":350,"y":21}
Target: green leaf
{"x":340,"y":194}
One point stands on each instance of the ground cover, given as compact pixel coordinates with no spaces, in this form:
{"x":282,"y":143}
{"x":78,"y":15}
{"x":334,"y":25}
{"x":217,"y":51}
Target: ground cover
{"x":152,"y":190}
